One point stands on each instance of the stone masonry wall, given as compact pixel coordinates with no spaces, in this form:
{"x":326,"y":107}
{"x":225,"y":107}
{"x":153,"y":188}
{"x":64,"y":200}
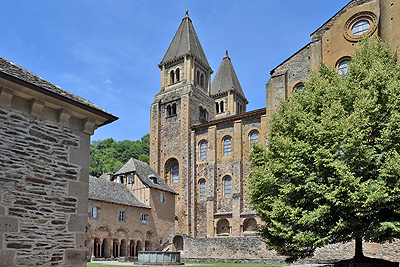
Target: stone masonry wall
{"x":251,"y":248}
{"x":43,"y":192}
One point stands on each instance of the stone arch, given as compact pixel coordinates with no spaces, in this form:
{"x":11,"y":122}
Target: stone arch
{"x":178,"y":243}
{"x":249,"y":224}
{"x":97,"y":245}
{"x":171,"y":171}
{"x":223,"y":227}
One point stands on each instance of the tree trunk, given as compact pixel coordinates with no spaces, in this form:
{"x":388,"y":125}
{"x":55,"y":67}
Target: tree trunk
{"x":359,"y":251}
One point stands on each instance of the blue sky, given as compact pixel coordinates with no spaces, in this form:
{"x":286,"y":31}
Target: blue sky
{"x":107,"y":51}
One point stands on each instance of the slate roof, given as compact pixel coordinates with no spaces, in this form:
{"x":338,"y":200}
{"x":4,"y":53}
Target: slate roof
{"x":185,"y":42}
{"x":103,"y":190}
{"x":11,"y":69}
{"x":144,"y":172}
{"x":226,"y":80}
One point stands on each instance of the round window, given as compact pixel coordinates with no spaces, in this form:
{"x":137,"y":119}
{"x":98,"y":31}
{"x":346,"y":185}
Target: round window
{"x":360,"y":27}
{"x":360,"y":24}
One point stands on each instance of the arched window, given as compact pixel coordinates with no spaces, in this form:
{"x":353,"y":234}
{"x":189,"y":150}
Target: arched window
{"x":203,"y":149}
{"x":177,"y":75}
{"x":168,"y":110}
{"x":202,"y":80}
{"x":202,"y":189}
{"x":298,"y":88}
{"x":223,"y":227}
{"x":217,"y":107}
{"x":221,"y":106}
{"x":254,"y":137}
{"x":171,"y":173}
{"x":343,"y":66}
{"x":227,"y":186}
{"x":171,"y":77}
{"x":175,"y":174}
{"x":198,"y":78}
{"x":227,"y":145}
{"x":173,"y":109}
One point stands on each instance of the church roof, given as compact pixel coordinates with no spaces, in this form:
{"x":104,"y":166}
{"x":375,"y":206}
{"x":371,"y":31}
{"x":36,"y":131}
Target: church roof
{"x":185,"y":42}
{"x":145,"y":173}
{"x":226,"y":80}
{"x":103,"y":190}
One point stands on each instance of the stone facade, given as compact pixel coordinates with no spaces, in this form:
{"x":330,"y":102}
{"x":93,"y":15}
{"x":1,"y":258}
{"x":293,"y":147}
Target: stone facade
{"x":253,"y":249}
{"x":148,"y":207}
{"x":44,"y":158}
{"x":207,"y":217}
{"x":191,"y":121}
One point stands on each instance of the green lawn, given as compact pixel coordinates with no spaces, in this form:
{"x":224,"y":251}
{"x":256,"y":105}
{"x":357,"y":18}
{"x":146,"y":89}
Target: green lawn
{"x":203,"y":264}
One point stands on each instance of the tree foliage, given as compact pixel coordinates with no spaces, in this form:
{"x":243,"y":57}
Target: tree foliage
{"x":330,"y":171}
{"x":109,"y":155}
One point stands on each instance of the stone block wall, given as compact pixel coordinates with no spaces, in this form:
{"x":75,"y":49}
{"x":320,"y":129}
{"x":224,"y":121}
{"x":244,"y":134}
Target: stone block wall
{"x":252,"y":248}
{"x":43,"y":192}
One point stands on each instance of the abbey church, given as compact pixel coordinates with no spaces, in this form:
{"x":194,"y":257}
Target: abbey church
{"x":201,"y":129}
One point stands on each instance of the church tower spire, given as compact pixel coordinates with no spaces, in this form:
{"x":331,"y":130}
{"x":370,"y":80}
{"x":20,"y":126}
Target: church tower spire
{"x":227,"y":91}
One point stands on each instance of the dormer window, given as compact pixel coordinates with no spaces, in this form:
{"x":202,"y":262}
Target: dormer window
{"x":120,"y":179}
{"x":130,"y":177}
{"x":154,"y":179}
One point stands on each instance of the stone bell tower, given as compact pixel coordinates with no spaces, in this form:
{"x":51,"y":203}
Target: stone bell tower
{"x":183,"y":101}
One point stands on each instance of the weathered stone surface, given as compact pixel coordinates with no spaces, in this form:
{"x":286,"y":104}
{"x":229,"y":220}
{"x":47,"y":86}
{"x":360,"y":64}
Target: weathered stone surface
{"x":7,"y":258}
{"x":77,"y":223}
{"x":75,"y":257}
{"x":8,"y":225}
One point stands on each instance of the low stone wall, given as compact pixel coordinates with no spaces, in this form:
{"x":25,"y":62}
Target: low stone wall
{"x":253,"y":249}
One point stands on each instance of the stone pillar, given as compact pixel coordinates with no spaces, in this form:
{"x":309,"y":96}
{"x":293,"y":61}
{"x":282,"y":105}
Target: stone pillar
{"x":211,"y":194}
{"x":237,"y":178}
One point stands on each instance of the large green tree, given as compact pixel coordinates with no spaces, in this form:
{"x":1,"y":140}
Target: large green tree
{"x":109,"y":155}
{"x":331,"y":170}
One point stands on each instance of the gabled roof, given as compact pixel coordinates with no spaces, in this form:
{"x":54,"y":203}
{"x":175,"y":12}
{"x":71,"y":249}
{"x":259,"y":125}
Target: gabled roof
{"x":185,"y":42}
{"x":145,"y":173}
{"x":226,"y":80}
{"x":18,"y":74}
{"x":103,"y":190}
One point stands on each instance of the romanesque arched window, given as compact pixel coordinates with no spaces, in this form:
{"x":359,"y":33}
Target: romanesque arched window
{"x":253,"y":137}
{"x":171,"y":77}
{"x":198,"y":78}
{"x":171,"y":173}
{"x":173,"y":109}
{"x":202,"y":189}
{"x":217,"y":107}
{"x":227,"y":186}
{"x":203,"y":149}
{"x":227,"y":145}
{"x":168,"y":110}
{"x":221,"y":107}
{"x":177,"y":75}
{"x":343,"y":65}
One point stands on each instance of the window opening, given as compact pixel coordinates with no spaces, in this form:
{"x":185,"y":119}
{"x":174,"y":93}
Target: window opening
{"x":173,"y":109}
{"x":217,"y":107}
{"x":254,"y":137}
{"x":221,"y":106}
{"x":227,"y":186}
{"x":130,"y":178}
{"x":94,"y":212}
{"x":360,"y":27}
{"x":227,"y":145}
{"x":122,"y":216}
{"x":203,"y":149}
{"x":202,"y":185}
{"x":177,"y":75}
{"x":343,"y":67}
{"x":172,"y":77}
{"x":175,"y":174}
{"x":162,"y":197}
{"x":144,"y":218}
